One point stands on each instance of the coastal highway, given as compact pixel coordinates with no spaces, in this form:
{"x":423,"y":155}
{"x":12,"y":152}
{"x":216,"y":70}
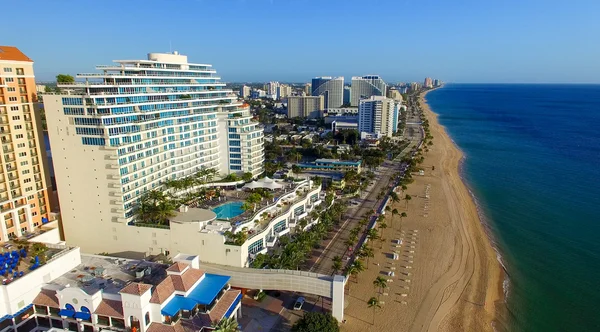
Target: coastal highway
{"x":322,"y":259}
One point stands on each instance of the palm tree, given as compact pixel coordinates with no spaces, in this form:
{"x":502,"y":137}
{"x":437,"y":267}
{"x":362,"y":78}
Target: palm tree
{"x":402,"y":215}
{"x":373,"y":303}
{"x":388,"y":208}
{"x":403,"y":187}
{"x":382,"y":226}
{"x":350,"y":271}
{"x":395,"y":212}
{"x":380,"y":283}
{"x":394,"y":197}
{"x":349,"y":243}
{"x":337,"y":264}
{"x":407,"y":198}
{"x":226,"y":325}
{"x":372,"y":234}
{"x":363,"y":222}
{"x":367,"y":252}
{"x":358,"y":268}
{"x":355,"y":231}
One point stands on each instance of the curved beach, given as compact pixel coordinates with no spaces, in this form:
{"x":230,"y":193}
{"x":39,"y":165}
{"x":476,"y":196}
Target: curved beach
{"x":448,"y":277}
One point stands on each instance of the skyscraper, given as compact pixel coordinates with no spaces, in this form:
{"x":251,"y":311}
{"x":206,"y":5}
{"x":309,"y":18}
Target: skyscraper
{"x":305,"y":106}
{"x":23,"y":178}
{"x":428,"y":82}
{"x":134,"y":126}
{"x":365,"y":87}
{"x":378,"y":115}
{"x":332,"y":89}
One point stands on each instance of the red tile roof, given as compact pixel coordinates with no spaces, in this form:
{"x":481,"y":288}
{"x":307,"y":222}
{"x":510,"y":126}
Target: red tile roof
{"x":223,"y":305}
{"x":46,"y":298}
{"x":12,"y":53}
{"x":111,"y":308}
{"x":172,"y":283}
{"x":135,"y":288}
{"x":158,"y":327}
{"x":177,"y":267}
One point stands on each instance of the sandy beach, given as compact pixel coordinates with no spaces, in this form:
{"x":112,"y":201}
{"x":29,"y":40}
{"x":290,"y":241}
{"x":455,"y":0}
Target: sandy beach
{"x":447,"y":277}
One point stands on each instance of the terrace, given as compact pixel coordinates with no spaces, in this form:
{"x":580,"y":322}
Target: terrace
{"x":20,"y":257}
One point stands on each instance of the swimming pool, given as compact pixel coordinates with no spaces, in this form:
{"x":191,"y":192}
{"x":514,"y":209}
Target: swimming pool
{"x":228,"y":210}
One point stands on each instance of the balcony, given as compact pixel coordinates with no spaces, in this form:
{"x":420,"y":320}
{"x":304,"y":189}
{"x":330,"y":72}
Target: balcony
{"x":282,"y":232}
{"x":271,"y":240}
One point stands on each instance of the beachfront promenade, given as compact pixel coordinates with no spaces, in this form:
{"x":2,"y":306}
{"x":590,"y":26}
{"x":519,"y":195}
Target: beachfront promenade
{"x":336,"y":247}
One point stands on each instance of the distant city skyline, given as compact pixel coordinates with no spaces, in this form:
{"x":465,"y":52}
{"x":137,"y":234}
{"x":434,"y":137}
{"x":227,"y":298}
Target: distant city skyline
{"x":464,"y":42}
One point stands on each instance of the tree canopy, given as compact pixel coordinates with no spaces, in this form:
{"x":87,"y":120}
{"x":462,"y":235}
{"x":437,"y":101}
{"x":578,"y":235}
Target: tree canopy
{"x":316,"y":322}
{"x":63,"y":78}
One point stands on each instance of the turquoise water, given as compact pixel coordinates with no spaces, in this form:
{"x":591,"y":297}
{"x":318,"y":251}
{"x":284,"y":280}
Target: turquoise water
{"x":228,"y":210}
{"x":532,"y":162}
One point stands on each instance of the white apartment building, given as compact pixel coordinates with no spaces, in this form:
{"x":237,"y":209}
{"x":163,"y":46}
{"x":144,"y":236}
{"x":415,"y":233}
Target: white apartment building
{"x":366,"y":86}
{"x":134,"y":125}
{"x":378,"y":115}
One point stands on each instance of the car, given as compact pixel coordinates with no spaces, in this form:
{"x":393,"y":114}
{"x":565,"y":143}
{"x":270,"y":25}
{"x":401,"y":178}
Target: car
{"x":299,"y":303}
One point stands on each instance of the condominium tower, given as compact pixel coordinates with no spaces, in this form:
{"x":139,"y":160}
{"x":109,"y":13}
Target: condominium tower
{"x":332,"y":89}
{"x":136,"y":124}
{"x":365,"y":87}
{"x":24,"y":200}
{"x":378,"y":115}
{"x":305,"y":106}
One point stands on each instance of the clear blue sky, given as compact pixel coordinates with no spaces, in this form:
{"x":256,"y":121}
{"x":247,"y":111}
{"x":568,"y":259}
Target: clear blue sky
{"x":294,"y":40}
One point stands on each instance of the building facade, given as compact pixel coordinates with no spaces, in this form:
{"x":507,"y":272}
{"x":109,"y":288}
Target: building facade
{"x":365,"y":87}
{"x":135,"y":125}
{"x":305,"y":106}
{"x":378,"y":115}
{"x":245,"y":91}
{"x":428,"y":83}
{"x":332,"y":90}
{"x":307,"y":89}
{"x":283,"y":91}
{"x":24,"y":200}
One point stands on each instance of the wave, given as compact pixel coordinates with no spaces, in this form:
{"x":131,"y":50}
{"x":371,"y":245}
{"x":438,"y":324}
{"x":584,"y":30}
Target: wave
{"x":486,"y":222}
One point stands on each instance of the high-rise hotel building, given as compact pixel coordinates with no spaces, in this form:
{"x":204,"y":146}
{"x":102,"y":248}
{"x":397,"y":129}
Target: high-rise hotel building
{"x":24,"y":202}
{"x":332,"y":90}
{"x":136,"y":124}
{"x":366,"y":86}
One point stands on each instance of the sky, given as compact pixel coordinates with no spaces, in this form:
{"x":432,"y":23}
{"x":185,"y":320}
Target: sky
{"x":466,"y":41}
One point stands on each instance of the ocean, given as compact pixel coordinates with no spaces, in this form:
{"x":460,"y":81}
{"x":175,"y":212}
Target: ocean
{"x":532,"y":162}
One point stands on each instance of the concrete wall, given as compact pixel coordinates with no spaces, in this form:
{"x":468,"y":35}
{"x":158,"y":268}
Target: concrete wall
{"x":82,"y":174}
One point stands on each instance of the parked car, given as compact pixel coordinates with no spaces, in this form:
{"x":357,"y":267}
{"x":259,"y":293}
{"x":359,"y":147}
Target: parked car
{"x":299,"y":303}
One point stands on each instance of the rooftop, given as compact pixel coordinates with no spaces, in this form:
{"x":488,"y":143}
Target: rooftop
{"x":11,"y":53}
{"x":109,"y":274}
{"x":187,"y":214}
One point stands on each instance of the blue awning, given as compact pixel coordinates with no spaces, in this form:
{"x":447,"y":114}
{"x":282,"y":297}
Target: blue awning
{"x":83,"y":315}
{"x":208,"y":289}
{"x":66,"y":313}
{"x":233,"y":306}
{"x":176,"y":304}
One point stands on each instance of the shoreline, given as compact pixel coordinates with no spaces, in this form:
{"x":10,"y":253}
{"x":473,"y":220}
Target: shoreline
{"x":444,"y":275}
{"x":495,"y":296}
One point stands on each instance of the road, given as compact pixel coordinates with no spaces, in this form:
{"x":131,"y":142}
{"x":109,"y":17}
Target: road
{"x":322,"y":260}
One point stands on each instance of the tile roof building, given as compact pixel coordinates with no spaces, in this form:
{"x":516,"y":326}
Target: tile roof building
{"x":108,"y":294}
